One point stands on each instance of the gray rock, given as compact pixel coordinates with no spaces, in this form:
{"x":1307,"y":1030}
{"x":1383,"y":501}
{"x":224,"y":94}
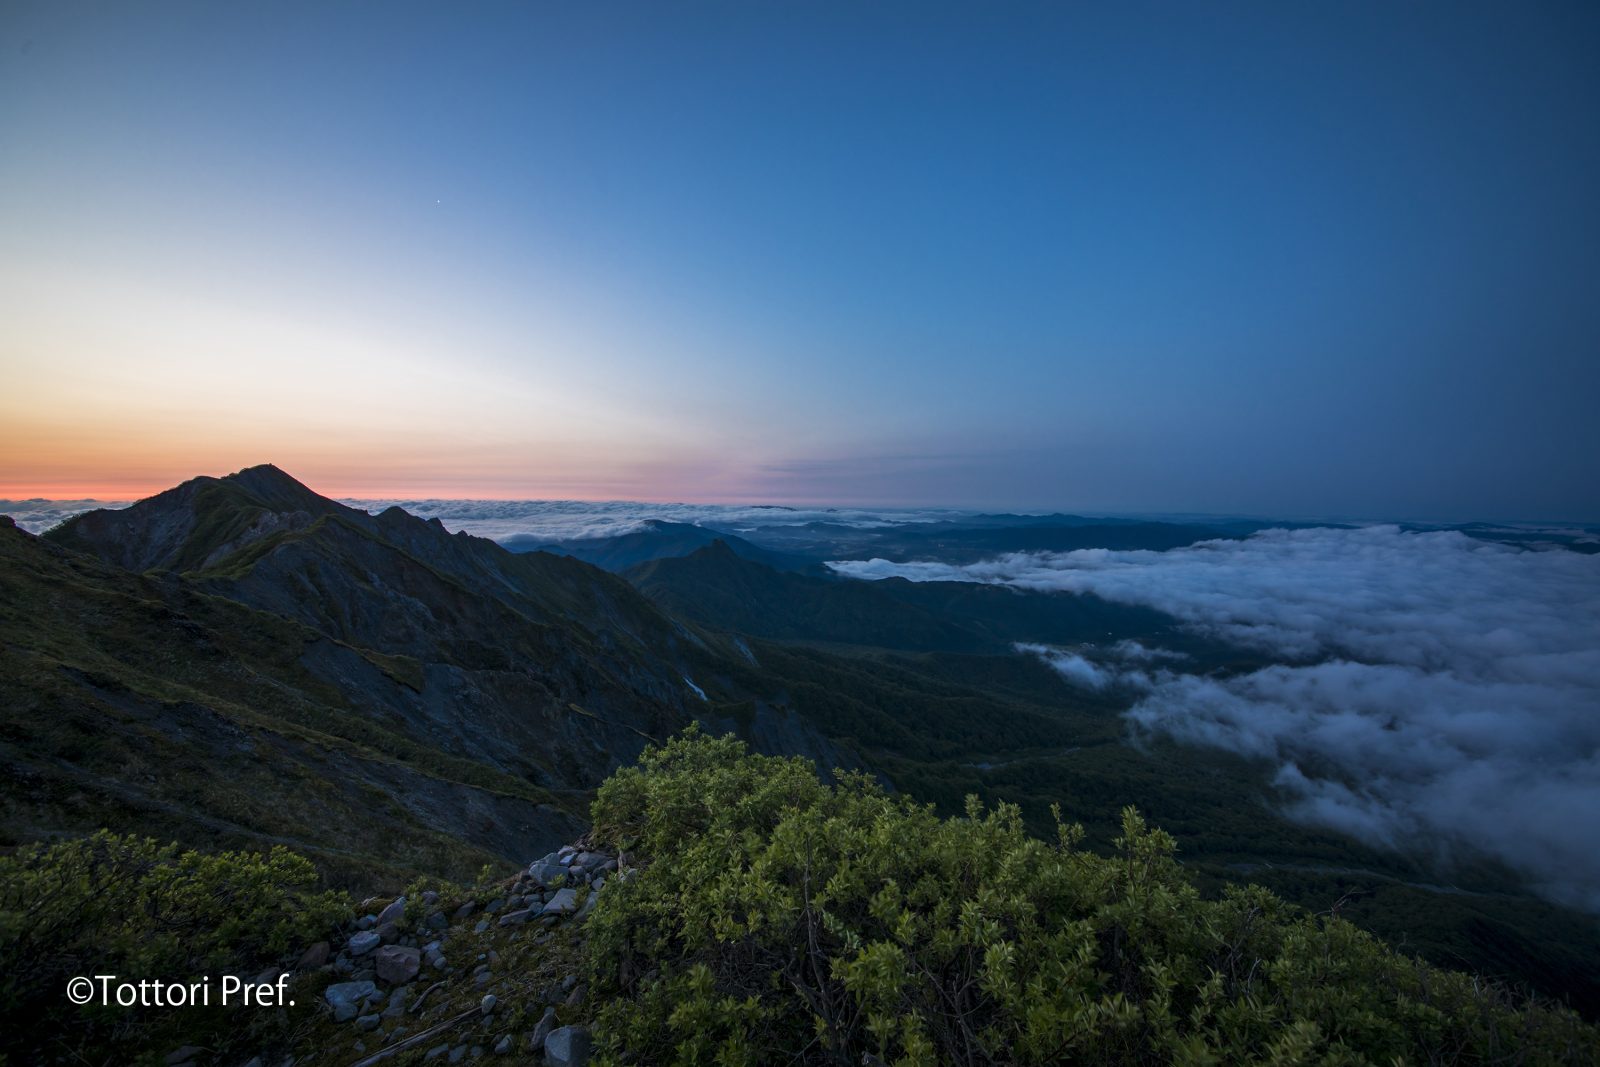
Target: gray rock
{"x":542,"y":1031}
{"x":363,"y":943}
{"x":565,"y":902}
{"x":590,"y":861}
{"x":388,"y":933}
{"x":366,"y":922}
{"x":346,"y":998}
{"x":368,"y":1022}
{"x":436,"y":921}
{"x":313,"y":957}
{"x":517,"y":918}
{"x":394,"y":912}
{"x":396,"y":964}
{"x":503,"y":1046}
{"x":184,"y":1054}
{"x":567,"y":1046}
{"x":546,"y":872}
{"x":458,"y":1054}
{"x":429,"y":898}
{"x":588,"y":904}
{"x":437,"y":1051}
{"x":397,"y":1002}
{"x":483,"y":924}
{"x":494,"y":905}
{"x":486,"y":1005}
{"x":466,"y":909}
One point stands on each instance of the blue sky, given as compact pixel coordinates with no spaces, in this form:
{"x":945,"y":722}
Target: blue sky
{"x":1242,"y":258}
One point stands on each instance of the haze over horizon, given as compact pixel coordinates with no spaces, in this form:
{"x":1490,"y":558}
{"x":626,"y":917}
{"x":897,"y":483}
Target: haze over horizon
{"x":1249,"y":260}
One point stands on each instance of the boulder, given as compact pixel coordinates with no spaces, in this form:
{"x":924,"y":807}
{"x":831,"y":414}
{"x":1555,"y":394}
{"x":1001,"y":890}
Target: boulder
{"x":397,"y":964}
{"x":363,"y":943}
{"x":567,"y":1046}
{"x":564,"y":902}
{"x":517,"y":918}
{"x":546,"y":1023}
{"x":394,"y":912}
{"x":346,"y":998}
{"x":546,"y":871}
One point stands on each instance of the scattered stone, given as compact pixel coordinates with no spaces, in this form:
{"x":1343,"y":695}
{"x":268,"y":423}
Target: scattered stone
{"x":466,"y":909}
{"x":458,"y":1054}
{"x":503,"y":1046}
{"x":394,"y":913}
{"x":487,"y":1004}
{"x":437,"y":1051}
{"x":388,"y":933}
{"x":590,"y":861}
{"x":368,"y":1022}
{"x":429,"y":898}
{"x":396,"y":964}
{"x":564,"y":902}
{"x":483,"y":924}
{"x":184,"y":1054}
{"x":545,"y":872}
{"x":567,"y":1046}
{"x":575,"y":998}
{"x":542,"y":1031}
{"x":517,"y":918}
{"x":363,"y":943}
{"x":346,"y":997}
{"x":436,"y":921}
{"x":494,"y":906}
{"x":313,"y":957}
{"x":366,"y":922}
{"x":588,"y":904}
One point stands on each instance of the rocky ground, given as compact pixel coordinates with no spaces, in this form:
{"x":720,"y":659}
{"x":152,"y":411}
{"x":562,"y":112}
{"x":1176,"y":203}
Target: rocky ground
{"x":439,"y":981}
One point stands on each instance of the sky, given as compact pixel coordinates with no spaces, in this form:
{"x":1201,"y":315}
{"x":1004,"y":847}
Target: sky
{"x":1287,"y":260}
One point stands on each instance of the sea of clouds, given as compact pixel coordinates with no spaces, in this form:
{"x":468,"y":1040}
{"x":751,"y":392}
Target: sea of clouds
{"x":566,"y":520}
{"x":38,"y":515}
{"x":1433,"y":690}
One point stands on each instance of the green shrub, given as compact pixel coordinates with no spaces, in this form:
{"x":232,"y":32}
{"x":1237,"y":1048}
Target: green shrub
{"x":134,"y":908}
{"x":775,"y":919}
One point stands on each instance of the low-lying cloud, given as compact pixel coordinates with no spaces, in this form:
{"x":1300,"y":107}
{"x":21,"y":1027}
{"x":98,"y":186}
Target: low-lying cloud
{"x":565,"y":520}
{"x":38,"y":515}
{"x":1434,"y":690}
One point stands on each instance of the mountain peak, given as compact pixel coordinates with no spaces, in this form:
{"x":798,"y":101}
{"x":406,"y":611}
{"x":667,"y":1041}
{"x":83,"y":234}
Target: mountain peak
{"x":275,"y":488}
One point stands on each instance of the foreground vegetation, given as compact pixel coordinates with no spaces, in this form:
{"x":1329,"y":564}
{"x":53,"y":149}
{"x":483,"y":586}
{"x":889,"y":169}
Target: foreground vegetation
{"x":762,"y":916}
{"x":776,"y":919}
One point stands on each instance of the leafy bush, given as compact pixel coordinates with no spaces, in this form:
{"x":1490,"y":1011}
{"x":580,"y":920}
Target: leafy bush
{"x":132,"y":907}
{"x":776,"y":919}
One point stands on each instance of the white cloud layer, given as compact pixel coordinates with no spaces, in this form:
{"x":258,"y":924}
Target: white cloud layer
{"x":1435,"y":690}
{"x":561,"y":520}
{"x":37,"y":516}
